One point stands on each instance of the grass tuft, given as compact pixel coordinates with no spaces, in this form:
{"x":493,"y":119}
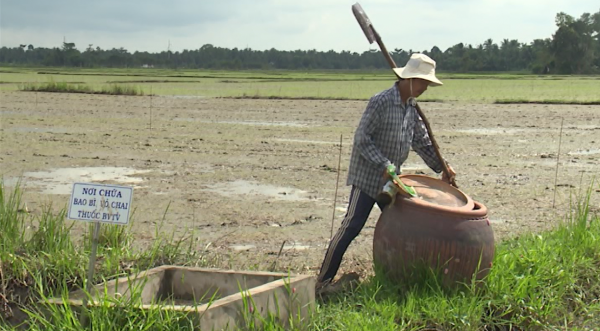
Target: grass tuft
{"x":116,"y":89}
{"x":64,"y":87}
{"x":60,"y":87}
{"x":547,"y":102}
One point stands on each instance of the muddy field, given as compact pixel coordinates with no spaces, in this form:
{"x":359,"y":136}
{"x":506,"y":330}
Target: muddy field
{"x":244,"y":176}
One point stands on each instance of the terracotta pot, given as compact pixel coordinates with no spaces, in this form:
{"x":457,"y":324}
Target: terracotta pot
{"x":439,"y":195}
{"x":448,"y":232}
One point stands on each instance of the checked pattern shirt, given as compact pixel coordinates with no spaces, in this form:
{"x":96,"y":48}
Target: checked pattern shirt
{"x":386,"y":132}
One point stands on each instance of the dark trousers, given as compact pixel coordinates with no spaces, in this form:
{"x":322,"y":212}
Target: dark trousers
{"x":359,"y":209}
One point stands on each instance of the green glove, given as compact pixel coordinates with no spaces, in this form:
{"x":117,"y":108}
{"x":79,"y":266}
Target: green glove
{"x":391,"y":170}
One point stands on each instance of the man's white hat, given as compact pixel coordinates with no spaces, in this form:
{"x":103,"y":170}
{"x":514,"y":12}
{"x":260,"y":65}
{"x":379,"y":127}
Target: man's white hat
{"x":419,"y":66}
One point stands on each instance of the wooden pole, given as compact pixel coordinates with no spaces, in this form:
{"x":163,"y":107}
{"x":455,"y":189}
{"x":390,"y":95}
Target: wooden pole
{"x":336,"y":188}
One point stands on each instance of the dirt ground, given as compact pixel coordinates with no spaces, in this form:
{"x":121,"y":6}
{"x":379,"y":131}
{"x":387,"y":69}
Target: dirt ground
{"x":244,"y":176}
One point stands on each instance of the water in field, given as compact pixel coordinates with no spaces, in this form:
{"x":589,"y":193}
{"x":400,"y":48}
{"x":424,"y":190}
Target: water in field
{"x":586,"y":152}
{"x":302,"y":141}
{"x":40,"y":129}
{"x":491,"y":131}
{"x":60,"y":180}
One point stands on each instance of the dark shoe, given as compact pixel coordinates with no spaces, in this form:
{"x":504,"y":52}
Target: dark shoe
{"x":347,"y":282}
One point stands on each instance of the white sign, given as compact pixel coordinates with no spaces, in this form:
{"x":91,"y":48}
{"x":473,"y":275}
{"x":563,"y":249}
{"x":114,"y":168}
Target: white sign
{"x":102,"y":203}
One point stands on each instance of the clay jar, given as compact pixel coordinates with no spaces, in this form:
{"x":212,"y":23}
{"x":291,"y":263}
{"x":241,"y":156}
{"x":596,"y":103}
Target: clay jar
{"x":443,"y":229}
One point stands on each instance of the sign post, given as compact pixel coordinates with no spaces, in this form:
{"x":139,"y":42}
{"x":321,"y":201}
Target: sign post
{"x":92,"y":264}
{"x":99,"y":204}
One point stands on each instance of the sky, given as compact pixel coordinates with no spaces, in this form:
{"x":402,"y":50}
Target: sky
{"x":154,"y":25}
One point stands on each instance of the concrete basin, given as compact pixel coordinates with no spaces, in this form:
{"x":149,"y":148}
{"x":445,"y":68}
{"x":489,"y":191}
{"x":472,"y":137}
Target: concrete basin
{"x":215,"y":299}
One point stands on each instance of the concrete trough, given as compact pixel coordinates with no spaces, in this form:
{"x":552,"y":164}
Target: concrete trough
{"x":214,"y":299}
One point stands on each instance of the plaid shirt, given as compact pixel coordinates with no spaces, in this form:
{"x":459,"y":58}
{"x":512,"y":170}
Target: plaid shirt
{"x":385,"y":134}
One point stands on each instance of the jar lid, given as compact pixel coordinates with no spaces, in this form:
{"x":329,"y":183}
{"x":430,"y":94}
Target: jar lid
{"x":437,"y":192}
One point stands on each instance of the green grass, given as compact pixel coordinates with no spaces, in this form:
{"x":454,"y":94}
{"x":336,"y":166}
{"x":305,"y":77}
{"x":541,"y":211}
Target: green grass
{"x":543,"y":281}
{"x":65,"y":87}
{"x":328,"y":85}
{"x":539,"y":281}
{"x":62,"y":87}
{"x":547,"y":102}
{"x":280,"y":97}
{"x":39,"y":259}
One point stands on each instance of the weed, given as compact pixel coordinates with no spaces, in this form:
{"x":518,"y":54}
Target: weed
{"x":64,"y":87}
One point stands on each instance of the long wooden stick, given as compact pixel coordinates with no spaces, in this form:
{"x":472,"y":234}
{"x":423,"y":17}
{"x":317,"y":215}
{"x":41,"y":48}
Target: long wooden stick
{"x":278,"y":255}
{"x":150,"y":107}
{"x":336,"y":188}
{"x":383,"y":49}
{"x":557,"y":159}
{"x":436,"y":147}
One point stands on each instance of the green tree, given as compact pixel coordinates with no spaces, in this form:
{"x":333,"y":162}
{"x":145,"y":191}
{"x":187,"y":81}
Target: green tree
{"x":573,"y":44}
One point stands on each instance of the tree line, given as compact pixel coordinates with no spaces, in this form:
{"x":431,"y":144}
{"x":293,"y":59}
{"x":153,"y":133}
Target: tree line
{"x":574,"y":48}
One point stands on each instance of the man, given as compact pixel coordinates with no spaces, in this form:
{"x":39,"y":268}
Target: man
{"x":388,"y":128}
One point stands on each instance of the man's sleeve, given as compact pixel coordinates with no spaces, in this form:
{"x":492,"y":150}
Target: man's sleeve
{"x":363,"y":137}
{"x":422,"y":145}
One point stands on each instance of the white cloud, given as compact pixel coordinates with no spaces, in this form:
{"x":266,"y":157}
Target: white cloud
{"x":288,"y":25}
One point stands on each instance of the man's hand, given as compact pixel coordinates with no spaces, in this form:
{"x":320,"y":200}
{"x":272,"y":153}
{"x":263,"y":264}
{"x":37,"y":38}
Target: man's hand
{"x":387,"y":170}
{"x":449,"y":179}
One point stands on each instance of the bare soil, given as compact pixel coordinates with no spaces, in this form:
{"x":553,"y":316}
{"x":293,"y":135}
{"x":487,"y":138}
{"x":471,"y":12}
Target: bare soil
{"x":244,"y":177}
